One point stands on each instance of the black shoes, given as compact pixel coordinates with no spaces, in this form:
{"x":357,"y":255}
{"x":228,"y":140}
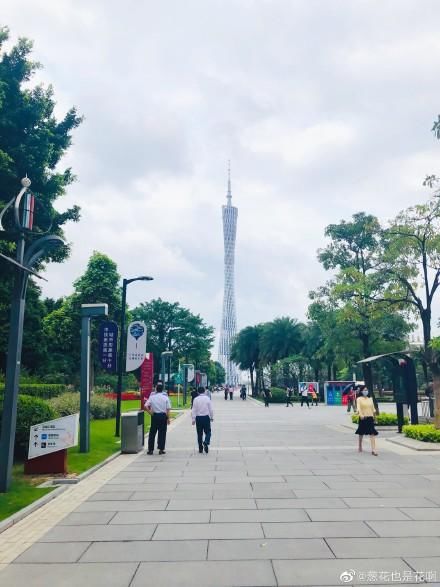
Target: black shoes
{"x":150,"y":452}
{"x":205,"y":446}
{"x":162,"y":452}
{"x":200,"y":450}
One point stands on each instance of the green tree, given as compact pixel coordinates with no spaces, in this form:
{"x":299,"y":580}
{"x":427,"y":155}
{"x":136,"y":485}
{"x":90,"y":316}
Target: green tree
{"x":245,"y":352}
{"x":171,"y":325}
{"x":32,"y":142}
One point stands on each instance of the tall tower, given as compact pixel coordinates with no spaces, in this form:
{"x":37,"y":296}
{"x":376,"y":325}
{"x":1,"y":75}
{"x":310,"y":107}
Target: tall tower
{"x":229,"y":324}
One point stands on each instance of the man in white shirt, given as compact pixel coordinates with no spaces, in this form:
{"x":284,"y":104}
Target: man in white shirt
{"x":202,"y":416}
{"x":158,"y":405}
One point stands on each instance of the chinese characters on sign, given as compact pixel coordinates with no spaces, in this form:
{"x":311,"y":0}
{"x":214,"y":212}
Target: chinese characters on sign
{"x":108,"y":344}
{"x":136,"y":345}
{"x":411,"y":577}
{"x":53,"y":436}
{"x":147,"y":372}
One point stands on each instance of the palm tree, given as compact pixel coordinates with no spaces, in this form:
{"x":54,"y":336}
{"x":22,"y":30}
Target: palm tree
{"x":245,"y":351}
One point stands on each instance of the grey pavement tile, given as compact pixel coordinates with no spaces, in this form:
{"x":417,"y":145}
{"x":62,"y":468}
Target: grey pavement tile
{"x":236,"y":531}
{"x":191,"y":494}
{"x":99,"y":533}
{"x":408,"y":528}
{"x":292,"y":515}
{"x":260,"y":479}
{"x":340,"y":492}
{"x":282,"y":491}
{"x":331,"y":502}
{"x":164,"y":517}
{"x":328,"y":572}
{"x":122,"y":506}
{"x":384,"y":547}
{"x":207,"y":573}
{"x":335,"y":515}
{"x":111,"y":496}
{"x":140,"y":551}
{"x":43,"y":552}
{"x":230,"y":492}
{"x":305,"y":483}
{"x":317,"y":529}
{"x":397,"y":502}
{"x":364,"y":484}
{"x":423,"y":513}
{"x":126,"y":480}
{"x":79,"y":519}
{"x":125,"y":487}
{"x":434,"y":498}
{"x":409,"y":492}
{"x":268,"y":549}
{"x":69,"y":575}
{"x":211,"y":504}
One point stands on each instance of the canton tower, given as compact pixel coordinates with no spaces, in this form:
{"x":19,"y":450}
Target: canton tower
{"x":229,"y":325}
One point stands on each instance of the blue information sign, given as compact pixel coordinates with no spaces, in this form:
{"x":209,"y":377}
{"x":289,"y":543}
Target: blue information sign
{"x":108,"y":345}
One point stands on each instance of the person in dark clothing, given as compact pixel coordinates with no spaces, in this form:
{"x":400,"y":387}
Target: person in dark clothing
{"x":226,"y":391}
{"x":158,"y":405}
{"x":289,"y":397}
{"x":267,"y":396}
{"x":243,"y":392}
{"x":194,"y":394}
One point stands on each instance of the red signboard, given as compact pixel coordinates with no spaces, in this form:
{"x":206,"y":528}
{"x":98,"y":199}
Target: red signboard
{"x":147,"y":373}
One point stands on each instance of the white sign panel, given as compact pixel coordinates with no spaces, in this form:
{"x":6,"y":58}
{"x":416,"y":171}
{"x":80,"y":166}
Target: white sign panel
{"x":190,"y":372}
{"x":53,"y":436}
{"x":136,"y":345}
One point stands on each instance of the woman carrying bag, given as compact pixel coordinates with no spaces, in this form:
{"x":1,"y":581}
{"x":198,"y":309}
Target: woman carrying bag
{"x":366,"y":411}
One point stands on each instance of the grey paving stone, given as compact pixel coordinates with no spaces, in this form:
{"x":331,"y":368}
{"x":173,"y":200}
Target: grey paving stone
{"x":268,"y":548}
{"x":340,"y":492}
{"x":331,"y":502}
{"x":112,"y":496}
{"x":317,"y":529}
{"x":163,"y":517}
{"x":423,"y":513}
{"x":328,"y":572}
{"x":122,"y":506}
{"x":229,"y":492}
{"x":409,"y":528}
{"x":69,"y":575}
{"x":384,"y":547}
{"x":398,"y":502}
{"x":428,"y":493}
{"x":79,"y":519}
{"x":235,"y":531}
{"x":207,"y":573}
{"x":335,"y":515}
{"x":43,"y":552}
{"x":211,"y":504}
{"x":430,"y":566}
{"x":99,"y":533}
{"x":193,"y":494}
{"x":283,"y":490}
{"x":292,"y":515}
{"x":140,"y":551}
{"x":305,"y":482}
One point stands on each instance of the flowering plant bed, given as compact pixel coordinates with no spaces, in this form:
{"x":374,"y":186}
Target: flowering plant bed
{"x":125,"y":395}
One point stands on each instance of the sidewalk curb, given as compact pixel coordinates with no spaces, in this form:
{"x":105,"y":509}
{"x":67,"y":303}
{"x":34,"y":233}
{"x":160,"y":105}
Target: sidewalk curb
{"x":415,"y":444}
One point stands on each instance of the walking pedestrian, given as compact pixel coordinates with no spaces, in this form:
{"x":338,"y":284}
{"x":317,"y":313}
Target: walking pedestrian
{"x":314,"y":396}
{"x":289,"y":397}
{"x":158,"y":405}
{"x":267,"y":396}
{"x":226,"y":391}
{"x":231,"y":392}
{"x":305,"y":396}
{"x":194,"y":394}
{"x":202,"y":415}
{"x":351,"y":399}
{"x":243,"y":392}
{"x":366,"y":411}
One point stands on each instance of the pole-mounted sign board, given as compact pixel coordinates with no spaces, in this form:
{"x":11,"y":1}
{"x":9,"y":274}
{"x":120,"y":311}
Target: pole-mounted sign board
{"x":136,"y":345}
{"x":53,"y":436}
{"x":108,"y":345}
{"x":190,"y":372}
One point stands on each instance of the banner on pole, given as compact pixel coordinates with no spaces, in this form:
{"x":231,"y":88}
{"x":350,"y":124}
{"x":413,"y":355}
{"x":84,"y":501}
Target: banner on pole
{"x":190,"y":373}
{"x":108,"y":345}
{"x":136,"y":345}
{"x":147,"y":374}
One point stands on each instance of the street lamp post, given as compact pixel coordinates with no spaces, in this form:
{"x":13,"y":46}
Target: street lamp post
{"x":125,"y":282}
{"x":25,"y":260}
{"x":164,"y":355}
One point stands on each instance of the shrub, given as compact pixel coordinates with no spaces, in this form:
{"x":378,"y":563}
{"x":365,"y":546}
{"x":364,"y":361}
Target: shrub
{"x":30,"y":410}
{"x":107,"y":380}
{"x":41,"y":390}
{"x":423,"y":432}
{"x":383,"y":419}
{"x":101,"y":408}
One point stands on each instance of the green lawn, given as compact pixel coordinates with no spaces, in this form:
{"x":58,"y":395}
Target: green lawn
{"x":103,"y":444}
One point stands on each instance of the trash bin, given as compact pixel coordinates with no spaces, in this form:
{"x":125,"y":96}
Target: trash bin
{"x":132,"y":432}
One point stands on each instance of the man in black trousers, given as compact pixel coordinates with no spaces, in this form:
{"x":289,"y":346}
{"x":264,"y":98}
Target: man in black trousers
{"x":158,"y":405}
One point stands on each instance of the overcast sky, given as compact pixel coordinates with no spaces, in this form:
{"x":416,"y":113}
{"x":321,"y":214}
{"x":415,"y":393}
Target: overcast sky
{"x":324,"y":108}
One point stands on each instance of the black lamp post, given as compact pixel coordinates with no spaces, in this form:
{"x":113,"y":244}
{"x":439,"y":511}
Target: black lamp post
{"x":125,"y":282}
{"x":19,"y":228}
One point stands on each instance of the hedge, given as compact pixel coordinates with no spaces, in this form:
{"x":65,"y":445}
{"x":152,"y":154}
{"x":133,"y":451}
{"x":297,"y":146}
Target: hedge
{"x":101,"y":408}
{"x":423,"y":432}
{"x":383,"y":419}
{"x":30,"y":410}
{"x":41,"y":390}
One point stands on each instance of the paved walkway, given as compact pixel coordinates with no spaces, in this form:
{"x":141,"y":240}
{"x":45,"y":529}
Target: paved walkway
{"x":283,"y":498}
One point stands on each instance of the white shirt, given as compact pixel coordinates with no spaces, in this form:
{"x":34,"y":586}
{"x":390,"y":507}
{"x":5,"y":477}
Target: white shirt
{"x":202,"y":406}
{"x":158,"y":402}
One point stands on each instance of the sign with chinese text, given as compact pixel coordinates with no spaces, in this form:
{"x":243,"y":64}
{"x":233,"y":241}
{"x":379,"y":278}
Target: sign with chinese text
{"x":136,"y":345}
{"x":108,"y":345}
{"x":147,"y":373}
{"x":53,"y":436}
{"x":190,"y":372}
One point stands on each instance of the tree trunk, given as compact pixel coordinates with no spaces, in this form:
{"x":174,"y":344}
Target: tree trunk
{"x":368,"y":378}
{"x":329,"y":371}
{"x":251,"y":372}
{"x":436,"y":385}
